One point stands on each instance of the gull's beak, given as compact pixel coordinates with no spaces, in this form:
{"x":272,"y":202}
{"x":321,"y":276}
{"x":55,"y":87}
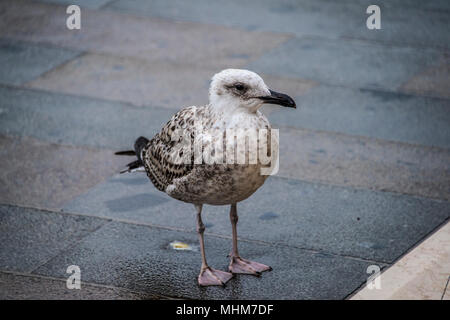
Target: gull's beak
{"x":280,"y":99}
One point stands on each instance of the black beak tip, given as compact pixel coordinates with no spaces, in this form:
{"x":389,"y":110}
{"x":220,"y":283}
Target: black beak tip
{"x":292,"y":104}
{"x":280,"y":99}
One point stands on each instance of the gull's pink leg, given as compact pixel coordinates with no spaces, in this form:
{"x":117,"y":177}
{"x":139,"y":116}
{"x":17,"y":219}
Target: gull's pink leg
{"x":238,"y":264}
{"x":208,"y":276}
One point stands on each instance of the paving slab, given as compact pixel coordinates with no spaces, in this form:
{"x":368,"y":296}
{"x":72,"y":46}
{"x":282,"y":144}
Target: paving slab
{"x":323,"y":18}
{"x":71,"y":120}
{"x":373,"y":66}
{"x":142,"y":83}
{"x":43,"y":175}
{"x":422,"y":274}
{"x":446,"y":294}
{"x":151,"y":39}
{"x":340,"y":220}
{"x":21,"y":62}
{"x":367,"y":163}
{"x":31,"y":287}
{"x":30,"y":237}
{"x":434,"y":81}
{"x":370,"y":113}
{"x":140,"y":258}
{"x":90,"y":4}
{"x":131,"y":80}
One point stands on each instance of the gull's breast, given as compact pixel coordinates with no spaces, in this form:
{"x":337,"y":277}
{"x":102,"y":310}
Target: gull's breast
{"x":227,"y":182}
{"x":218,"y":184}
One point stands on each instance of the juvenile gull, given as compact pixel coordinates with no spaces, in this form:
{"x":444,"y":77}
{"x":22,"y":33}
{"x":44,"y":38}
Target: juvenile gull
{"x":170,"y":159}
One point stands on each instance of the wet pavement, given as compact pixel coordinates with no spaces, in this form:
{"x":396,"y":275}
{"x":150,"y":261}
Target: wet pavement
{"x":364,"y":162}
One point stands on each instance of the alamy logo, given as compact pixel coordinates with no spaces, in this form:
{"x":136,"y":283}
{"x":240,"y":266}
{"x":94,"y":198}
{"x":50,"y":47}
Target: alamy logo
{"x":74,"y":280}
{"x":374,"y":20}
{"x":374,"y":280}
{"x":74,"y":20}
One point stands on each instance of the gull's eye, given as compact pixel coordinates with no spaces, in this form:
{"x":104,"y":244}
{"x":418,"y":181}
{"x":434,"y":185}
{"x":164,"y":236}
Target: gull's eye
{"x":239,"y":86}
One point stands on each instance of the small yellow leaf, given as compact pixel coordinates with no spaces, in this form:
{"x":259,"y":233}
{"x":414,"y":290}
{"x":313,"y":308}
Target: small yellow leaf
{"x":178,"y":245}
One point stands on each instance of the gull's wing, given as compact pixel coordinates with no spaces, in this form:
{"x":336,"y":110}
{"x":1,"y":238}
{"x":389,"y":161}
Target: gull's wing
{"x":157,"y":155}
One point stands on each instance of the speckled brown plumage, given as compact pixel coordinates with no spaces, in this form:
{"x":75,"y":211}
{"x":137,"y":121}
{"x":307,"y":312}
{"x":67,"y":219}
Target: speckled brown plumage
{"x":156,"y":155}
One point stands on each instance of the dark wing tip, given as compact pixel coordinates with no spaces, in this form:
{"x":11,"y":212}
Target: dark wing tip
{"x":133,"y":166}
{"x":125,"y":153}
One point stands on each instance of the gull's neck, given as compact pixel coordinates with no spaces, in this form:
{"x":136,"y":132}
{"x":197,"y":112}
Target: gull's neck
{"x":223,"y":108}
{"x":229,"y":115}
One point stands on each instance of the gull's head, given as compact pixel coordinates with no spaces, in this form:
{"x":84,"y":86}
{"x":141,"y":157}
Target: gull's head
{"x":237,"y":88}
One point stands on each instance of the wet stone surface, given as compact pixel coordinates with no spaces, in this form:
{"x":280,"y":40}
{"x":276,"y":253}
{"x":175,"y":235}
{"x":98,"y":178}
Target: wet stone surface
{"x":140,"y":258}
{"x":32,"y":237}
{"x":32,"y":287}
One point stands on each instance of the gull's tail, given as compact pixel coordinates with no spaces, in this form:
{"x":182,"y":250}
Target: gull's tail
{"x":136,"y":165}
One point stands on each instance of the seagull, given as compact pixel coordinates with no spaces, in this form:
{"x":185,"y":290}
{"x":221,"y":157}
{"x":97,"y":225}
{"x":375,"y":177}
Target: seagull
{"x":175,"y":161}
